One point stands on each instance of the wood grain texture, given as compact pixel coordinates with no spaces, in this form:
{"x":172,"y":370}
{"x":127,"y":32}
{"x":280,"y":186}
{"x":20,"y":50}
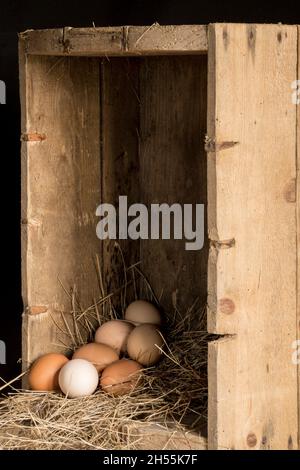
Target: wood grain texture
{"x":119,"y":158}
{"x":43,"y":42}
{"x":43,"y":333}
{"x":252,"y":284}
{"x":173,"y":169}
{"x":60,"y":191}
{"x":119,"y":41}
{"x":94,"y":41}
{"x":157,"y":40}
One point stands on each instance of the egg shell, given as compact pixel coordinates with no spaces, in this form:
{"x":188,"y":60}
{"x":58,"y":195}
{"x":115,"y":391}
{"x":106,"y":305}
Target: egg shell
{"x":43,"y":374}
{"x":141,"y":311}
{"x":114,"y":333}
{"x":121,"y":377}
{"x":141,"y":345}
{"x":78,"y":378}
{"x":100,"y":355}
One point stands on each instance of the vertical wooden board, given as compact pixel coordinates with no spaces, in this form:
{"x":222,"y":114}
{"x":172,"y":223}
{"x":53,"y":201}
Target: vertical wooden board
{"x":252,"y":225}
{"x":60,"y":189}
{"x":173,"y":169}
{"x":119,"y":158}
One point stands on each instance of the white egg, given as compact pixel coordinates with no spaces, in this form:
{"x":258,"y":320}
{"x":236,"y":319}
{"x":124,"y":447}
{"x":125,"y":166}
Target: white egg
{"x":78,"y":378}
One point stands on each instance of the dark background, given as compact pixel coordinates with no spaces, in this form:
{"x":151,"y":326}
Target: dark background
{"x":16,"y":16}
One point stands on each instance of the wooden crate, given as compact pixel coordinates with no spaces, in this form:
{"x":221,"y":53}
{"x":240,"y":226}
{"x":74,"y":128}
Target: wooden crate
{"x":125,"y":110}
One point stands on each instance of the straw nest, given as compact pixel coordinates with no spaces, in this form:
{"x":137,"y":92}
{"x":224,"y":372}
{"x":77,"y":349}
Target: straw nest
{"x":172,"y":393}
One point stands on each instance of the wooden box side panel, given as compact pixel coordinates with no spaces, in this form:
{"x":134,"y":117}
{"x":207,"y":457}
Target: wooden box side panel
{"x":253,"y":400}
{"x":60,"y":190}
{"x":118,"y":40}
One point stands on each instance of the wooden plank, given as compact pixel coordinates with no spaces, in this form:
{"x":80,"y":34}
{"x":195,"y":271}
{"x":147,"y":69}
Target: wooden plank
{"x":173,"y":169}
{"x":94,"y":41}
{"x":119,"y":159}
{"x":123,"y":40}
{"x":220,"y":384}
{"x":159,"y":437}
{"x":60,"y":190}
{"x":252,"y":225}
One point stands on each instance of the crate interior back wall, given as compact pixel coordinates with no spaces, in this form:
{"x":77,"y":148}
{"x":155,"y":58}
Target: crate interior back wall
{"x":125,"y":111}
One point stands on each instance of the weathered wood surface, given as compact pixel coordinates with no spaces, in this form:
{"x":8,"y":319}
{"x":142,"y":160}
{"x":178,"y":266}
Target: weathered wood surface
{"x":173,"y":170}
{"x":60,"y":192}
{"x":123,"y":40}
{"x":253,"y":402}
{"x":119,"y":155}
{"x":156,"y":39}
{"x":157,"y":437}
{"x":150,"y":155}
{"x":298,"y":233}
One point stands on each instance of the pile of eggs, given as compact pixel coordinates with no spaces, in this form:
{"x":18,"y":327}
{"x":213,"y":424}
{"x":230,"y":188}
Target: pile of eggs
{"x":116,"y":358}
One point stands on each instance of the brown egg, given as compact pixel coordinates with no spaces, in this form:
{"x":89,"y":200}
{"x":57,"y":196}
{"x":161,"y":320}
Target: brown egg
{"x":43,"y":375}
{"x":114,"y":333}
{"x":121,"y":377}
{"x":141,"y":345}
{"x":98,"y":354}
{"x":141,"y":311}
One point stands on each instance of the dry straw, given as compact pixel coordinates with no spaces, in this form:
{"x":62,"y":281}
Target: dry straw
{"x":172,"y":393}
